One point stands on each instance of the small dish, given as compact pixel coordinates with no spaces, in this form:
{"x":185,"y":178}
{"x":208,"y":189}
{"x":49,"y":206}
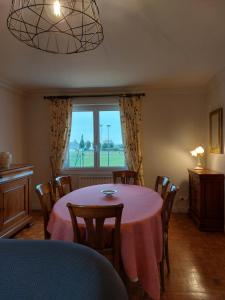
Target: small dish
{"x":108,"y":193}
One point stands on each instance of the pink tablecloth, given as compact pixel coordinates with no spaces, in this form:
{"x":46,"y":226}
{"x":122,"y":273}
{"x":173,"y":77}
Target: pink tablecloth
{"x":141,"y":228}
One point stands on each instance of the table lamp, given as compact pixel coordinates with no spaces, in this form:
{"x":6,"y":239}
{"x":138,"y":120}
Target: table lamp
{"x":198,"y":152}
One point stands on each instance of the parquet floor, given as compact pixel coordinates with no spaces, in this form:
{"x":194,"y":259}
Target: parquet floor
{"x":197,"y":260}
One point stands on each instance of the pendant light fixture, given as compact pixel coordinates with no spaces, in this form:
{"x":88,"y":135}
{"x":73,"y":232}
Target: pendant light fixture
{"x":56,"y":26}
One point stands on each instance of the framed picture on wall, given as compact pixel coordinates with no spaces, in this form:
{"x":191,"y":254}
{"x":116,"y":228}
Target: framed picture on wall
{"x":216,"y":131}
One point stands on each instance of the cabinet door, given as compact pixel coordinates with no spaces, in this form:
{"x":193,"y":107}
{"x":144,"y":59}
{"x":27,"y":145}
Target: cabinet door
{"x":14,"y":198}
{"x":213,"y":199}
{"x":195,"y":194}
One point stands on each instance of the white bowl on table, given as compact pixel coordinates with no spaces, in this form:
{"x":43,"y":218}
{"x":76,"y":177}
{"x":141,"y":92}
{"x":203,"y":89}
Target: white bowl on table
{"x":108,"y":192}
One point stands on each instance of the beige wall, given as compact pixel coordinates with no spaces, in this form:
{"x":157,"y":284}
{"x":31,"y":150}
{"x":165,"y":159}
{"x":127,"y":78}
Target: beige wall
{"x":12,"y":124}
{"x":37,"y":140}
{"x":173,"y":124}
{"x":216,"y":99}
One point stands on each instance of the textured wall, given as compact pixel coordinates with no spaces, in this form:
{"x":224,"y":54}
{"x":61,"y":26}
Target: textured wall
{"x":12,"y":125}
{"x":173,"y":124}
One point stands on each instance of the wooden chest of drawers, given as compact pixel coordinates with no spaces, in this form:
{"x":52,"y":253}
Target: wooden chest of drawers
{"x":206,"y":195}
{"x":15,"y":185}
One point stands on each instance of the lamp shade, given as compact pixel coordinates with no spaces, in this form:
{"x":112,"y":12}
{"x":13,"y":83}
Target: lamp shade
{"x":56,"y":26}
{"x":198,"y":152}
{"x":193,"y":153}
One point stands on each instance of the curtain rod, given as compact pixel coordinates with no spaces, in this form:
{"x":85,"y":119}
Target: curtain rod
{"x":91,"y":96}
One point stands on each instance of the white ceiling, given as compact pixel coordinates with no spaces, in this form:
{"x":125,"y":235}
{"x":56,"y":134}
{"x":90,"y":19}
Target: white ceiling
{"x":160,"y":43}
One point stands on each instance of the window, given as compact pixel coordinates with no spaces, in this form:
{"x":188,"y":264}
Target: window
{"x":96,"y":138}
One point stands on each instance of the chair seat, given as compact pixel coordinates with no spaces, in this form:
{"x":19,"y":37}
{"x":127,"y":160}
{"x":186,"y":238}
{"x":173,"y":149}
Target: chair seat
{"x":54,"y":270}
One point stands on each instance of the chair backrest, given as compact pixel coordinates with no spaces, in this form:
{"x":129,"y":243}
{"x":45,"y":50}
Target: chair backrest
{"x":95,"y":237}
{"x":125,"y":177}
{"x":64,"y":185}
{"x":167,"y":206}
{"x":53,"y":174}
{"x":53,"y":169}
{"x":161,"y":185}
{"x":47,"y":200}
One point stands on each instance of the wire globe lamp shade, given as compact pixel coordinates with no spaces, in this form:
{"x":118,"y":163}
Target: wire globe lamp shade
{"x":56,"y":26}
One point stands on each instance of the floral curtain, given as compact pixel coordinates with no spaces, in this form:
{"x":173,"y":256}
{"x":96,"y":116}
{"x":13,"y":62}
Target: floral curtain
{"x":130,"y":112}
{"x":60,"y":127}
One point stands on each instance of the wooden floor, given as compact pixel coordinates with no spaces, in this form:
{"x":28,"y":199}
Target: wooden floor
{"x":197,"y":260}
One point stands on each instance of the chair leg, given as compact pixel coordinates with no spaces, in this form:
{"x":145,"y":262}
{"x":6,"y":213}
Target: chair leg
{"x":162,"y":281}
{"x":47,"y":235}
{"x":167,"y":256}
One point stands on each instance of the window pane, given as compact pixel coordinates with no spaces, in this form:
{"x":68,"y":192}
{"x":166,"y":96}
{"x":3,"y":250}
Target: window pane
{"x":81,"y":152}
{"x":111,"y":143}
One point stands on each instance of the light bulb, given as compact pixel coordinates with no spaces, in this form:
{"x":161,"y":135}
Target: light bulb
{"x":199,"y":150}
{"x":193,"y":153}
{"x":57,"y":8}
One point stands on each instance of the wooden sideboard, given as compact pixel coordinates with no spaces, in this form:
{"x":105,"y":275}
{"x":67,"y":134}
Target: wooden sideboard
{"x":206,"y":195}
{"x":15,"y":186}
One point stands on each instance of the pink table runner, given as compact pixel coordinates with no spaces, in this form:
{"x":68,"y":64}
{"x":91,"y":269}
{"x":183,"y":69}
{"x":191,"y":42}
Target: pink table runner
{"x":141,"y":228}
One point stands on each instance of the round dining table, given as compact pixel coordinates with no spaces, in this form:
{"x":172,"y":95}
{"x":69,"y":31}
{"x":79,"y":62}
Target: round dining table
{"x":141,"y":227}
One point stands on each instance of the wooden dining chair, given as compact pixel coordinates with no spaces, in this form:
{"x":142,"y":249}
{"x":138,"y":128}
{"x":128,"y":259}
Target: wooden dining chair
{"x":64,"y":185}
{"x":95,"y":237}
{"x":161,"y":185}
{"x":47,"y":201}
{"x":53,"y":169}
{"x":165,"y":215}
{"x":125,"y":177}
{"x":54,"y":174}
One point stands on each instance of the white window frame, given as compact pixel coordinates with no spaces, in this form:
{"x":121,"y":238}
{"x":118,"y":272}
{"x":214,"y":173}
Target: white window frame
{"x":95,"y":108}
